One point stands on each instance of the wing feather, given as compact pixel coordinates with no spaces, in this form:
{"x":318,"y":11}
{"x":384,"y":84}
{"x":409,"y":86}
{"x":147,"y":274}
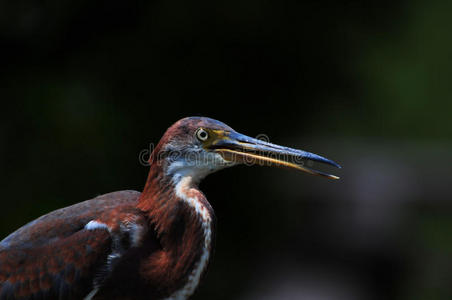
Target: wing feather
{"x":63,"y":269}
{"x":55,"y":257}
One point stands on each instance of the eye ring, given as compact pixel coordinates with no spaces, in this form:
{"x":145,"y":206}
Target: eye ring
{"x":202,"y":135}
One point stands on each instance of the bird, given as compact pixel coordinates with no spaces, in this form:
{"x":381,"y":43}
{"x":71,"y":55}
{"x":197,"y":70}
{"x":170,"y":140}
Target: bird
{"x":156,"y":244}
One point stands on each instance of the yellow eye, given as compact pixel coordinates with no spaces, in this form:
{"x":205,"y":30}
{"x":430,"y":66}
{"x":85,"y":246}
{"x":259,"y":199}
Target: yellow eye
{"x":202,"y":135}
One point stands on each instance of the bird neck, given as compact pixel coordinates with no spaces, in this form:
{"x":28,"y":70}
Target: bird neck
{"x":167,"y":196}
{"x":184,"y":223}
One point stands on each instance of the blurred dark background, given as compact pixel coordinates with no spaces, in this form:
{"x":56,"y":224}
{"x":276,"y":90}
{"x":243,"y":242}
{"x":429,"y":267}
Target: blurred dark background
{"x":86,"y":85}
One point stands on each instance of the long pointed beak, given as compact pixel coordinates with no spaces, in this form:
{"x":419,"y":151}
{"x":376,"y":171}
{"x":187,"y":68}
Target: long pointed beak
{"x":236,"y":147}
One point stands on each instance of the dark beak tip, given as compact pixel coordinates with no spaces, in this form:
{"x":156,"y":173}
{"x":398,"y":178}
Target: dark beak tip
{"x":333,"y":163}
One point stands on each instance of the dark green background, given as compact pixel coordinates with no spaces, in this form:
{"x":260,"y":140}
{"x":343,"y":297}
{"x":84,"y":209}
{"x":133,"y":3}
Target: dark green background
{"x":86,"y":85}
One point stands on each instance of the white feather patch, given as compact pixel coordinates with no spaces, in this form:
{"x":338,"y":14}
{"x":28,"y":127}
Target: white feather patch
{"x":91,"y":294}
{"x":195,"y":276}
{"x":92,"y":225}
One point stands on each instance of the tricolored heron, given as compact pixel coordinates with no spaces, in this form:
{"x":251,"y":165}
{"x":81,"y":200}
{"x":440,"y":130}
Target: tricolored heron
{"x":130,"y":245}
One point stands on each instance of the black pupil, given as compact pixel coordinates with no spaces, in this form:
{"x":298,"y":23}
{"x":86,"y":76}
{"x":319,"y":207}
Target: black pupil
{"x":202,"y":134}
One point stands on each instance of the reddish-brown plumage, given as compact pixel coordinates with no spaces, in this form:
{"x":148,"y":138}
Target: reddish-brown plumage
{"x":178,"y":231}
{"x":56,"y":257}
{"x":127,"y":245}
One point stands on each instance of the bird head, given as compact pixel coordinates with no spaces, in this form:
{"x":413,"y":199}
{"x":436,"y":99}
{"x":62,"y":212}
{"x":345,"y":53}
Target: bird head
{"x":198,"y":146}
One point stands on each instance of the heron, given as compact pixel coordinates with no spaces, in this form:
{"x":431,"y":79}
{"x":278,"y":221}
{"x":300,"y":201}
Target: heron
{"x":156,"y":244}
